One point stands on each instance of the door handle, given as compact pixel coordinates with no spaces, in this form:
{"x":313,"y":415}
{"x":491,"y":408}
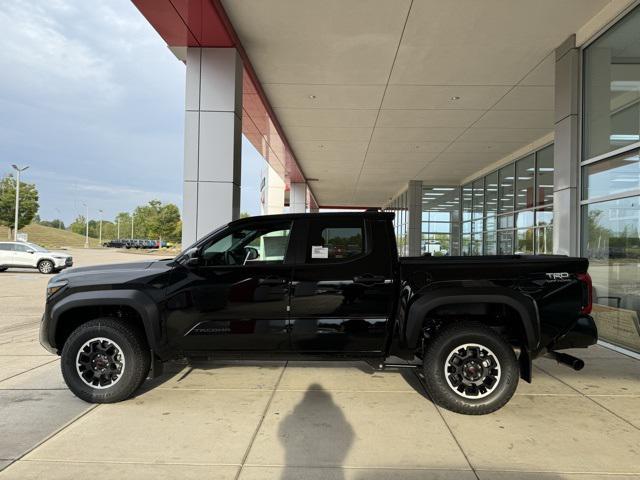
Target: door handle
{"x":368,"y":279}
{"x":272,"y":281}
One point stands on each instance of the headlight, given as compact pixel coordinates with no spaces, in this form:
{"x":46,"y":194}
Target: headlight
{"x":55,"y":287}
{"x":59,"y":257}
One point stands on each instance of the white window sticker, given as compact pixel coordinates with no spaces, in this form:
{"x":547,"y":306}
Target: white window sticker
{"x":318,"y":251}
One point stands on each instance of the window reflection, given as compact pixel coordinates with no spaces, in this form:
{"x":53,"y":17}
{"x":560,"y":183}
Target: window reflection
{"x":544,"y":176}
{"x":506,"y":188}
{"x":491,"y":194}
{"x":525,"y":176}
{"x":611,"y":240}
{"x":440,"y":215}
{"x":616,"y":175}
{"x":612,"y":88}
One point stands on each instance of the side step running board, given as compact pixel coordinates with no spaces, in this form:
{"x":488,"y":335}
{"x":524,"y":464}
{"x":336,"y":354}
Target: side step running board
{"x":384,"y":365}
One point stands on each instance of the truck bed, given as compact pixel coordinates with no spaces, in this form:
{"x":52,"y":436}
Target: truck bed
{"x":490,"y":267}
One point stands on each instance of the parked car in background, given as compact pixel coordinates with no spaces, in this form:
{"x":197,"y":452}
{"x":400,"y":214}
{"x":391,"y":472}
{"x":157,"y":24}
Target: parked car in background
{"x":117,"y":243}
{"x":30,"y":255}
{"x":143,"y":243}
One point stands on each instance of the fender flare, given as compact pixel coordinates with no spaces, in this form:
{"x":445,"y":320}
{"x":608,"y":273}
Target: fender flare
{"x":135,"y":299}
{"x":423,"y":303}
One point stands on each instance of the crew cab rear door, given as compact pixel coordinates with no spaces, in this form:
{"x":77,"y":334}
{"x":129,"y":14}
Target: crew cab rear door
{"x":342,"y":289}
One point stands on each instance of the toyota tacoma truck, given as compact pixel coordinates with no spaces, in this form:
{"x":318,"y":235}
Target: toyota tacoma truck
{"x":324,"y":286}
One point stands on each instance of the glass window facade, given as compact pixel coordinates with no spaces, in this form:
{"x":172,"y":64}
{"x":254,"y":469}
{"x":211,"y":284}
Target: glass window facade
{"x":510,"y":211}
{"x":612,"y":88}
{"x":400,"y":207}
{"x":440,"y":214}
{"x":610,"y":225}
{"x":611,"y":240}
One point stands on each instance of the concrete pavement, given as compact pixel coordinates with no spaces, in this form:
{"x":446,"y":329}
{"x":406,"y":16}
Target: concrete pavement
{"x":305,"y":420}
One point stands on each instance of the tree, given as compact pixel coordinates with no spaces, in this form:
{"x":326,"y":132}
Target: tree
{"x":79,"y":225}
{"x":157,"y":221}
{"x":28,"y":203}
{"x":124,"y":220}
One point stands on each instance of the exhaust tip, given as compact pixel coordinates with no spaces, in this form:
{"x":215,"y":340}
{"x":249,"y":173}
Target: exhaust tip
{"x":578,"y":364}
{"x":568,"y":360}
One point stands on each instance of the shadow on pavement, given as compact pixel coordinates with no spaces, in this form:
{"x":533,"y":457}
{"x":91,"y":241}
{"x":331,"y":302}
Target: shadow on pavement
{"x":315,"y":429}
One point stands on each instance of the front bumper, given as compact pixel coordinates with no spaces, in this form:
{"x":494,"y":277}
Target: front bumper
{"x":582,"y":334}
{"x":44,"y":337}
{"x":61,"y":263}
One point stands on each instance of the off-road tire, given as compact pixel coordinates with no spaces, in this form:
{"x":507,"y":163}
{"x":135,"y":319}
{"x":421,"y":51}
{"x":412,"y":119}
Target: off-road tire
{"x":437,"y":352}
{"x":134,"y":350}
{"x":46,"y":267}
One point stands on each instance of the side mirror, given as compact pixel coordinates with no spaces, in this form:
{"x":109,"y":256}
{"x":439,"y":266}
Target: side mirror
{"x":251,"y":253}
{"x":31,"y":251}
{"x":193,"y":258}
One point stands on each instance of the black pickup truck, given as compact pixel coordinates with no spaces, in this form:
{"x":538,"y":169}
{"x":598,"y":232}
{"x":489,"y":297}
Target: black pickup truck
{"x":326,"y":285}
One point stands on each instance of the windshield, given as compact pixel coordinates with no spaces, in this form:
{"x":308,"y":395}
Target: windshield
{"x":199,"y":242}
{"x":37,"y":248}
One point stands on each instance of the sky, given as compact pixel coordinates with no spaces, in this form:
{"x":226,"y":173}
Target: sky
{"x":93,"y":101}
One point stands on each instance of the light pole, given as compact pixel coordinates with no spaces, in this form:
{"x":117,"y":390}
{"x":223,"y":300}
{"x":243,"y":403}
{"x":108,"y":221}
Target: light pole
{"x":59,"y":218}
{"x":132,"y":215}
{"x":118,"y":223}
{"x":86,"y":222}
{"x":15,"y":227}
{"x":100,"y":227}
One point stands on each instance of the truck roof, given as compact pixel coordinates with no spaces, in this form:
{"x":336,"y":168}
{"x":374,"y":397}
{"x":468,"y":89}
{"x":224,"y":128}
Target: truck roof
{"x":292,"y":216}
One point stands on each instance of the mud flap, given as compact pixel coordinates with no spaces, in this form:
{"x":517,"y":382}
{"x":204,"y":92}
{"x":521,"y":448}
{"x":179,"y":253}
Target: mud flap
{"x":157,"y":366}
{"x":526,"y":365}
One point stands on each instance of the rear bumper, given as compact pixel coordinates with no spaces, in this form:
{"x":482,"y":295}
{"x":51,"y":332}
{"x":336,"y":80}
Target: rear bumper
{"x":582,"y":334}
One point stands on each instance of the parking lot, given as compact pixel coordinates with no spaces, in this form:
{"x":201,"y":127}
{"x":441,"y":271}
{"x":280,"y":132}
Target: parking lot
{"x":297,"y":420}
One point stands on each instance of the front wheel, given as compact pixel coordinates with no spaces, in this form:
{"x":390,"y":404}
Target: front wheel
{"x":469,"y":368}
{"x":45,"y":266}
{"x":105,"y":361}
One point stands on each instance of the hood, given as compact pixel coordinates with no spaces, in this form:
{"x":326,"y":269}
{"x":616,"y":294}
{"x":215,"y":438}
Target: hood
{"x":114,"y":273}
{"x":111,"y":267}
{"x":57,"y":253}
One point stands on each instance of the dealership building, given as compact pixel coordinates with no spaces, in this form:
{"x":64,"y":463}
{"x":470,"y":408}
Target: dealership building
{"x":490,"y":127}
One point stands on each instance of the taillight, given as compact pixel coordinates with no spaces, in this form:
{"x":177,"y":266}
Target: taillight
{"x":585,"y":278}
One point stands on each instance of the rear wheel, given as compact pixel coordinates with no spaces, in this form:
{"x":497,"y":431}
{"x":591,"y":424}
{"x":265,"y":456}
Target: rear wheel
{"x":45,"y":266}
{"x":3,"y":269}
{"x":105,"y":361}
{"x":470,"y":369}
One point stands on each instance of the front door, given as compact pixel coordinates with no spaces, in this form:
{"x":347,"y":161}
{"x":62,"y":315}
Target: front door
{"x":342,"y":289}
{"x":23,"y":255}
{"x":236,"y":299}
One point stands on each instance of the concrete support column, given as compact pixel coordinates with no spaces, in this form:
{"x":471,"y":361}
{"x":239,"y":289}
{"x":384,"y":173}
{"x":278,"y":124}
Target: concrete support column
{"x":566,"y":197}
{"x":272,"y":193}
{"x":414,"y":228}
{"x":298,"y":198}
{"x":212,"y":146}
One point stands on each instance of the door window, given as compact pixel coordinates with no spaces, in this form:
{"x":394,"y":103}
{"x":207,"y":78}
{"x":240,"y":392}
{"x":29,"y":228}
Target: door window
{"x":21,"y":248}
{"x":250,"y":245}
{"x":7,"y":247}
{"x":335,"y":241}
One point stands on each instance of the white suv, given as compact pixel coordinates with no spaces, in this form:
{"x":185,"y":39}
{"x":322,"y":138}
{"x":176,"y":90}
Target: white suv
{"x":30,"y":255}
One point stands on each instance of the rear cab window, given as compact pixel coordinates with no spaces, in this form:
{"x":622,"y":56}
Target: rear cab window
{"x":335,"y":240}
